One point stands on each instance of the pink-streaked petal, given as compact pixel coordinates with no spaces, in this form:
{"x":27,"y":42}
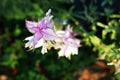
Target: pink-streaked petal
{"x":50,"y":24}
{"x":42,"y":24}
{"x":73,"y":42}
{"x":31,"y":30}
{"x":49,"y":34}
{"x":67,"y":34}
{"x":37,"y":37}
{"x":36,"y":29}
{"x":76,"y":42}
{"x":30,"y":25}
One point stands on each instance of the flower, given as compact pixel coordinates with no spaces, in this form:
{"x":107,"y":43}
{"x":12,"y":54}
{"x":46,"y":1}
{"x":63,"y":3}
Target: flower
{"x":42,"y":32}
{"x":116,"y":64}
{"x":67,"y":43}
{"x":44,"y":36}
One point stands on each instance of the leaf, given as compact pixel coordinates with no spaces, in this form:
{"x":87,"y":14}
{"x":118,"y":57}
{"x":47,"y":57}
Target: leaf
{"x":115,"y":16}
{"x":104,"y":34}
{"x":113,"y":35}
{"x":95,"y":40}
{"x":102,"y":25}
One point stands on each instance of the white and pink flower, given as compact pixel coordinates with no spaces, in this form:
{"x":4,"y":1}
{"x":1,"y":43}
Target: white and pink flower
{"x":42,"y":32}
{"x":44,"y":36}
{"x":67,"y":43}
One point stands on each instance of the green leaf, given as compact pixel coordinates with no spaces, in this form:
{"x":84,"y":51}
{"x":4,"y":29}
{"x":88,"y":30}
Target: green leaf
{"x":102,"y":25}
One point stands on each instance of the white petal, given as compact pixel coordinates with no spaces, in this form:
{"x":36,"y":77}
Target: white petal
{"x":29,"y":38}
{"x":61,"y":53}
{"x":39,"y":43}
{"x":68,"y":53}
{"x":60,"y":33}
{"x":73,"y":42}
{"x":44,"y":49}
{"x":30,"y":41}
{"x":49,"y":12}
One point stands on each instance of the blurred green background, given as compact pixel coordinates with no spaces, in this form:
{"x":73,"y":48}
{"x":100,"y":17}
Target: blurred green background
{"x":97,"y":23}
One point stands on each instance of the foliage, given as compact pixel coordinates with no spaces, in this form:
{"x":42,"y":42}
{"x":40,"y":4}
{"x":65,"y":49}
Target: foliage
{"x":98,"y":30}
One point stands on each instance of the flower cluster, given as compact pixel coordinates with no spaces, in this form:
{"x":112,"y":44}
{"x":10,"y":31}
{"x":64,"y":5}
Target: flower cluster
{"x":67,"y":42}
{"x":46,"y":37}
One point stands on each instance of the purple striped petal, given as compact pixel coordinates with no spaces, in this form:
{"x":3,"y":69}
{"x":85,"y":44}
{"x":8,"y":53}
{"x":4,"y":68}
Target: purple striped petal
{"x":30,"y":25}
{"x":36,"y":29}
{"x":42,"y":24}
{"x":49,"y":21}
{"x":37,"y":37}
{"x":50,"y":24}
{"x":49,"y":34}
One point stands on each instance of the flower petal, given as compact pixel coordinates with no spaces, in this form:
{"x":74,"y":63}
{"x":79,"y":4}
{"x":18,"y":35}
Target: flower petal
{"x":39,"y":43}
{"x":30,"y":42}
{"x":30,"y":25}
{"x":44,"y":49}
{"x":29,"y":38}
{"x":49,"y":12}
{"x":73,"y":42}
{"x":50,"y":34}
{"x":36,"y":29}
{"x":60,"y":33}
{"x":62,"y":51}
{"x":48,"y":20}
{"x":50,"y":24}
{"x":37,"y":37}
{"x":42,"y":24}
